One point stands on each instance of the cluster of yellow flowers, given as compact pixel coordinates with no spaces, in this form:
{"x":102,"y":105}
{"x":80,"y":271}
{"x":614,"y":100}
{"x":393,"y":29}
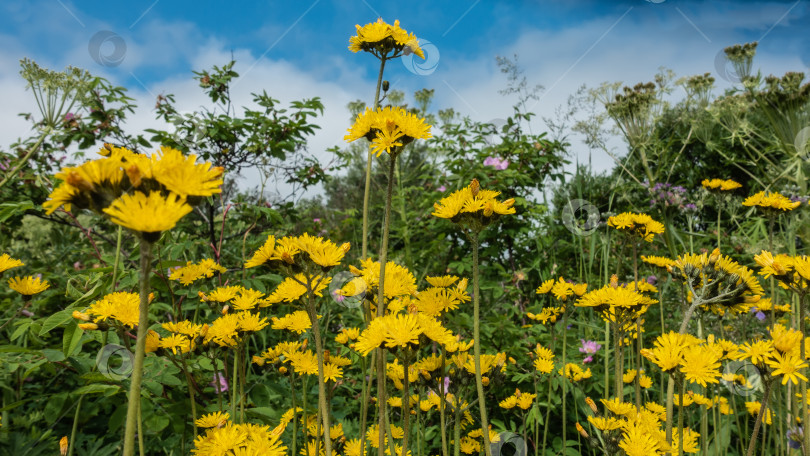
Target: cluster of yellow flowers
{"x":473,"y":204}
{"x":723,"y":185}
{"x":380,"y":38}
{"x":388,"y":128}
{"x":518,"y":399}
{"x":191,"y":272}
{"x":146,"y":194}
{"x":792,"y":272}
{"x":637,"y":224}
{"x":223,"y":437}
{"x":289,"y":250}
{"x":733,"y":286}
{"x":638,"y":430}
{"x":774,"y":202}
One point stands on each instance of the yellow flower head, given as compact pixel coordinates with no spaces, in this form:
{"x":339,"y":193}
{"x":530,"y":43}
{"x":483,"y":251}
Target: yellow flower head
{"x":388,"y":128}
{"x":639,"y":224}
{"x":720,"y":185}
{"x":191,"y":272}
{"x":6,"y":263}
{"x":148,"y":215}
{"x":472,"y":202}
{"x":182,"y":176}
{"x":380,"y":38}
{"x":771,"y":202}
{"x":28,"y":285}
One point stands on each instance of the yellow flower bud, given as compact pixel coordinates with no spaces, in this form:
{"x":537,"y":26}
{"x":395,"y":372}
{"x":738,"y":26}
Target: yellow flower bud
{"x":475,"y":187}
{"x":592,"y":405}
{"x":81,"y":316}
{"x":582,"y":431}
{"x":63,"y":446}
{"x":88,"y":326}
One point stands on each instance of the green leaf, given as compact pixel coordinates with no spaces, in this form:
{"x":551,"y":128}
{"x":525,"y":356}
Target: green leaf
{"x":57,"y":319}
{"x":98,"y":388}
{"x":265,"y":413}
{"x":156,"y":422}
{"x":8,"y":210}
{"x":71,"y":338}
{"x":53,"y":355}
{"x":14,"y":349}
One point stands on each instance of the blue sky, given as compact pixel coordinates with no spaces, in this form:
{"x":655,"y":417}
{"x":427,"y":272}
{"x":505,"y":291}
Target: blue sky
{"x":299,"y":49}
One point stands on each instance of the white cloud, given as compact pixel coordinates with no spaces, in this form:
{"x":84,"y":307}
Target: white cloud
{"x":605,"y":49}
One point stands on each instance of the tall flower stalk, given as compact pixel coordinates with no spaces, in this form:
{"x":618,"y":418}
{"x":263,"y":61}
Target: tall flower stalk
{"x":473,"y":209}
{"x":147,"y":195}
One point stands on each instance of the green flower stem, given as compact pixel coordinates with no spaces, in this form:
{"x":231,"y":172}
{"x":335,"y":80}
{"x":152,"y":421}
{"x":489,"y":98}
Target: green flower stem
{"x":752,"y":445}
{"x":406,"y":403}
{"x":442,"y":406}
{"x":680,"y":417}
{"x":234,"y":386}
{"x":607,"y":361}
{"x":457,"y":428}
{"x":479,"y":386}
{"x":117,"y":259}
{"x":295,"y":412}
{"x":364,"y":407}
{"x":217,"y":382}
{"x":639,"y":340}
{"x":719,"y":213}
{"x":805,"y":408}
{"x":323,"y":404}
{"x":404,"y":219}
{"x":75,"y":425}
{"x":715,"y":424}
{"x":141,"y":449}
{"x":564,"y":381}
{"x":133,"y":404}
{"x":381,"y":396}
{"x":367,"y":190}
{"x":304,"y":406}
{"x":26,"y":157}
{"x":244,"y":357}
{"x":548,"y":396}
{"x":190,"y":394}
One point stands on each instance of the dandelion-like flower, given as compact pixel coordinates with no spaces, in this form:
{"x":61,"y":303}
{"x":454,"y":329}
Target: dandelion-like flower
{"x":774,"y":202}
{"x":640,"y":224}
{"x":388,"y":128}
{"x":379,"y":38}
{"x":473,"y":205}
{"x":720,"y":185}
{"x":148,"y":215}
{"x":6,"y":263}
{"x":28,"y":285}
